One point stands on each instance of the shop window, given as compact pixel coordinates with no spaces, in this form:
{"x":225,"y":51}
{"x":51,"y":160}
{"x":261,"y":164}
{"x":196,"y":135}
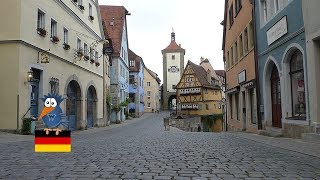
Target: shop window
{"x":297,"y":84}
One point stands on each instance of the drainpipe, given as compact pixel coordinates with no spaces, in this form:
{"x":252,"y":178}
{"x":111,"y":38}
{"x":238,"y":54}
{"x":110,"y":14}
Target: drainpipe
{"x":256,"y":66}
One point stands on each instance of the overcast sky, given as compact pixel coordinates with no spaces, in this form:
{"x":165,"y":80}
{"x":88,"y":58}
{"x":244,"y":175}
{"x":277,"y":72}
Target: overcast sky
{"x":196,"y":24}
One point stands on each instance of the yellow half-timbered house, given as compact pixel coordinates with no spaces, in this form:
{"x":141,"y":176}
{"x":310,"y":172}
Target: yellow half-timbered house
{"x":197,"y":92}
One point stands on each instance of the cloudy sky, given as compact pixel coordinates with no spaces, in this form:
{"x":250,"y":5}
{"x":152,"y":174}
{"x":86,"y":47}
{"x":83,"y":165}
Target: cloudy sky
{"x":196,"y":24}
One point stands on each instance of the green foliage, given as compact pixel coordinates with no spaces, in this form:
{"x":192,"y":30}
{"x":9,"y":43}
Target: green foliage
{"x":26,"y":126}
{"x":108,"y":102}
{"x":125,"y":103}
{"x":116,"y":108}
{"x":209,"y":119}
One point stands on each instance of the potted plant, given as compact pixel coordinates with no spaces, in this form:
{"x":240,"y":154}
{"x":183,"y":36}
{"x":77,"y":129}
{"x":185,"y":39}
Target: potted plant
{"x":91,"y":17}
{"x":75,"y":1}
{"x":97,"y":64}
{"x":86,"y":58}
{"x":55,"y":39}
{"x":42,"y":32}
{"x":66,"y":46}
{"x":81,"y":7}
{"x":91,"y":61}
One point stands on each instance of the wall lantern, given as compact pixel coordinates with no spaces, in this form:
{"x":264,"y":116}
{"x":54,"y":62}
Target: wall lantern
{"x":30,"y":75}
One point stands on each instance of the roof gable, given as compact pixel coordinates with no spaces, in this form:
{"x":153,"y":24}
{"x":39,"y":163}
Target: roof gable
{"x":114,"y":21}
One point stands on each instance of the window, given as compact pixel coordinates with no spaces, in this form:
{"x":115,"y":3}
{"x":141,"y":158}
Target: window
{"x":251,"y":38}
{"x":241,"y":45}
{"x":231,"y":56}
{"x":79,"y":44}
{"x":237,"y":106}
{"x":53,"y":28}
{"x":228,"y":59}
{"x":207,"y":106}
{"x":265,"y":10}
{"x":85,"y":49}
{"x":90,"y":9}
{"x":132,"y":63}
{"x":91,"y":53}
{"x":149,"y":105}
{"x":245,"y":40}
{"x":297,"y":85}
{"x":149,"y":93}
{"x":206,"y":91}
{"x":96,"y":56}
{"x":235,"y":52}
{"x":231,"y":105}
{"x":148,"y":83}
{"x":65,"y":36}
{"x":41,"y":19}
{"x":238,"y":5}
{"x":252,"y":106}
{"x":231,"y":15}
{"x":54,"y":85}
{"x":173,"y":57}
{"x":79,"y":2}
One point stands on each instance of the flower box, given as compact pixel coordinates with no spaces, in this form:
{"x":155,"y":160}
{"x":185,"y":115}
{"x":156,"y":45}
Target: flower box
{"x":75,"y":1}
{"x":55,"y":39}
{"x":91,"y":18}
{"x":86,"y":58}
{"x":42,"y":32}
{"x":97,"y":64}
{"x":66,"y":46}
{"x":81,"y":7}
{"x":91,"y":61}
{"x":80,"y":53}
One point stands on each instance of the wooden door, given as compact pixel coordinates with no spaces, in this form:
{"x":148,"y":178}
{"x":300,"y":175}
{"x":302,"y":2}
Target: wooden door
{"x":276,"y":98}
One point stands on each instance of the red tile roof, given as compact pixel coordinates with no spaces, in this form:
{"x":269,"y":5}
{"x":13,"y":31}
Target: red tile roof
{"x":220,"y":73}
{"x":173,"y":46}
{"x":113,"y":18}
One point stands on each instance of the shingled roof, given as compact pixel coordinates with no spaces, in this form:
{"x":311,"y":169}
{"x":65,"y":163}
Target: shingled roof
{"x":154,"y":75}
{"x":113,"y":18}
{"x":220,"y":73}
{"x":201,"y":75}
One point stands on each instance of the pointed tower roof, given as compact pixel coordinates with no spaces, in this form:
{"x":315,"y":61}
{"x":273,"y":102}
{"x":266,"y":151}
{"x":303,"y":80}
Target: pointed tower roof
{"x":173,"y":46}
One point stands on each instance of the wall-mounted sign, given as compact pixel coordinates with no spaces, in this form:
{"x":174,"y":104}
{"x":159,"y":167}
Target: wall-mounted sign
{"x":277,"y":31}
{"x":242,"y":77}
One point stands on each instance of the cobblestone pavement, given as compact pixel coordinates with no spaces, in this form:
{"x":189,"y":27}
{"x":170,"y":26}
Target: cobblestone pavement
{"x":143,"y":150}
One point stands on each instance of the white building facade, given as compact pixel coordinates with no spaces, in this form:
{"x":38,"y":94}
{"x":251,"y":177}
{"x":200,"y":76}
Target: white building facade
{"x":60,"y":42}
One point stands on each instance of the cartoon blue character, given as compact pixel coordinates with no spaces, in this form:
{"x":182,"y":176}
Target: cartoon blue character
{"x":51,"y":114}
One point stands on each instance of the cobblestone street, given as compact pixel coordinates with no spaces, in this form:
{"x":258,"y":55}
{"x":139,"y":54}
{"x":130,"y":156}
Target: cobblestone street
{"x":143,"y":150}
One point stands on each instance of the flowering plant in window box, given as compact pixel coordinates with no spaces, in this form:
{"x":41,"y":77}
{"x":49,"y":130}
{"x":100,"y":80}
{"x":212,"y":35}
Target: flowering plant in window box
{"x":79,"y":52}
{"x":97,"y":64}
{"x":75,"y":1}
{"x":55,"y":39}
{"x":81,"y":7}
{"x":86,"y":58}
{"x":91,"y":61}
{"x":66,"y":46}
{"x":91,"y":18}
{"x":42,"y":32}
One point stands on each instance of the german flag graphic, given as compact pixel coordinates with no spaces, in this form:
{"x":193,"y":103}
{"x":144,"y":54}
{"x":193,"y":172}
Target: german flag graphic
{"x":51,"y":142}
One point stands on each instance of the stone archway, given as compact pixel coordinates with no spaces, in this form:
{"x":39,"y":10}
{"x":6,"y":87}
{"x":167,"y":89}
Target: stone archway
{"x":91,"y":106}
{"x":172,"y":102}
{"x":73,"y":105}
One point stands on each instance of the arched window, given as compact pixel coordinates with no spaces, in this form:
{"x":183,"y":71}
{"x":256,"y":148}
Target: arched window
{"x":297,"y":85}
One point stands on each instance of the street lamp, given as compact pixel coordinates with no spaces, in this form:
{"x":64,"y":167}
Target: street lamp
{"x":30,"y":75}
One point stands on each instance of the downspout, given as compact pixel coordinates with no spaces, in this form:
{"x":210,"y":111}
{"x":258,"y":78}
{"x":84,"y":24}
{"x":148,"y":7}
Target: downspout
{"x":256,"y":66}
{"x":225,"y":89}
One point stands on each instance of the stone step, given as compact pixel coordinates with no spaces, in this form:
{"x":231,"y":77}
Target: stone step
{"x":311,"y":137}
{"x":272,"y":132}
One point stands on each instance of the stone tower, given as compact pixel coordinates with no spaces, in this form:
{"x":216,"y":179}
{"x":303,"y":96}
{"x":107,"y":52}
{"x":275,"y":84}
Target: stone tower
{"x":173,"y":65}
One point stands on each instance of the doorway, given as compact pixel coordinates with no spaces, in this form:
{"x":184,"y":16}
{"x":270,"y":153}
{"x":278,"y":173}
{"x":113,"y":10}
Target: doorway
{"x":73,"y":104}
{"x":244,"y":115}
{"x":34,"y":96}
{"x":276,"y":98}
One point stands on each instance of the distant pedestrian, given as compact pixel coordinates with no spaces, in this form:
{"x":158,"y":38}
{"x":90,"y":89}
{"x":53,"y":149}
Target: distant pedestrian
{"x":199,"y":128}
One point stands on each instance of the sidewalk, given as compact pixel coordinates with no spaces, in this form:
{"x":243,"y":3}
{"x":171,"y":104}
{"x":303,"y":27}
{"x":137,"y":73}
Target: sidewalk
{"x":296,"y":145}
{"x":9,"y":137}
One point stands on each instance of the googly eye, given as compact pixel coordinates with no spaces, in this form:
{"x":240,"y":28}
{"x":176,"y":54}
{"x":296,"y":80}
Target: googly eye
{"x":53,"y":102}
{"x":47,"y":102}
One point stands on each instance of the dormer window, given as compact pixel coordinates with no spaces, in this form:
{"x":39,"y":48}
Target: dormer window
{"x":131,"y":63}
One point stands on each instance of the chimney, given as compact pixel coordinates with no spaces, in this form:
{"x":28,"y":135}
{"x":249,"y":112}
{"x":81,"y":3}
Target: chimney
{"x":201,"y":59}
{"x":209,"y":76}
{"x":179,"y":45}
